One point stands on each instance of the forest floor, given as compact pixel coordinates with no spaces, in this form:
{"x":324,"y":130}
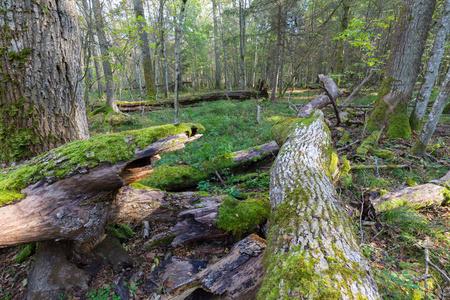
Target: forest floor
{"x":396,"y":249}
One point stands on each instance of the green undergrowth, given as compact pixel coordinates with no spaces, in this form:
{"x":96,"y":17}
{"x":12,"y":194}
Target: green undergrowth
{"x":79,"y":156}
{"x":243,"y":216}
{"x":120,"y":231}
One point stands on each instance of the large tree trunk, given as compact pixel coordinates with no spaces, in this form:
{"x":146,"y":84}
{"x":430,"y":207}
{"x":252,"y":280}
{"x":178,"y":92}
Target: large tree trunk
{"x":216,"y":48}
{"x":178,"y":59}
{"x":145,"y":48}
{"x":224,"y":50}
{"x":390,"y":109}
{"x":241,"y":44}
{"x":418,"y":114}
{"x":104,"y":49}
{"x":41,"y":93}
{"x":163,"y":45}
{"x":311,"y":248}
{"x":69,"y":192}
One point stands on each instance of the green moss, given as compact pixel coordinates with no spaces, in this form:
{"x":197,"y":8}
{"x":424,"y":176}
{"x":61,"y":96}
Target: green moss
{"x":333,"y":165}
{"x":281,"y":130}
{"x":242,"y":216}
{"x":161,"y":242}
{"x":379,"y":112}
{"x":368,"y":143}
{"x":384,"y":154}
{"x":399,"y":123}
{"x":344,"y":139}
{"x":82,"y":155}
{"x":26,"y":252}
{"x":411,"y":182}
{"x":139,"y":186}
{"x":446,"y":109}
{"x":120,"y":231}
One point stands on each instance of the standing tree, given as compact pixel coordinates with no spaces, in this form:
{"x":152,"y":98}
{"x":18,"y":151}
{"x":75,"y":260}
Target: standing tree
{"x":145,"y":48}
{"x":104,"y":49}
{"x":277,"y":55}
{"x":41,"y":90}
{"x":216,"y":50}
{"x":178,"y":58}
{"x":390,"y":109}
{"x":340,"y":49}
{"x":242,"y":44}
{"x":416,"y":118}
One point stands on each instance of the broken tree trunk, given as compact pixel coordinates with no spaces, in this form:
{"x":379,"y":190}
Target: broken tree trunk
{"x":183,"y":177}
{"x":312,"y":252}
{"x":68,"y":193}
{"x":323,"y":100}
{"x":234,"y":95}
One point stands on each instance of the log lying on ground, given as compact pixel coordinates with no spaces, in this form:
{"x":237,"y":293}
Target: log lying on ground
{"x":312,"y":251}
{"x":414,"y":197}
{"x":183,"y":177}
{"x":236,"y":276}
{"x":68,"y":192}
{"x":149,"y":105}
{"x":322,"y":100}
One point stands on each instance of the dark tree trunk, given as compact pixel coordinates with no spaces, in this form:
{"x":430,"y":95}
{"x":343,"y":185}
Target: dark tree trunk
{"x":145,"y":48}
{"x":216,"y":48}
{"x":41,"y":92}
{"x":390,"y":109}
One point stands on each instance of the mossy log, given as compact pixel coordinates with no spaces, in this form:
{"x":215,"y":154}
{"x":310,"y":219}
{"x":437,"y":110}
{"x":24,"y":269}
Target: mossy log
{"x":322,"y":100}
{"x":69,"y":192}
{"x":413,"y":197}
{"x":183,"y":177}
{"x":311,"y":249}
{"x":150,"y":105}
{"x":238,"y":275}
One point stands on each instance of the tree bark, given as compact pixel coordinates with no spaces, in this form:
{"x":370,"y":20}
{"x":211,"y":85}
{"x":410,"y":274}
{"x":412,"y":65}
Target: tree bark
{"x":216,"y":48}
{"x":41,"y":92}
{"x":145,"y":48}
{"x":340,"y":49}
{"x":418,"y":114}
{"x":312,"y":250}
{"x":278,"y":50}
{"x":224,"y":50}
{"x":106,"y":58}
{"x":81,"y":203}
{"x":427,"y":131}
{"x":162,"y":34}
{"x":242,"y":44}
{"x":390,"y":109}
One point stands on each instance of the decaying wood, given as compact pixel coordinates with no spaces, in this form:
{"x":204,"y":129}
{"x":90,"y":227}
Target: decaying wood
{"x":80,"y":206}
{"x":322,"y":100}
{"x":181,"y":178}
{"x":414,"y":197}
{"x":236,"y":276}
{"x":310,"y":230}
{"x":234,"y":95}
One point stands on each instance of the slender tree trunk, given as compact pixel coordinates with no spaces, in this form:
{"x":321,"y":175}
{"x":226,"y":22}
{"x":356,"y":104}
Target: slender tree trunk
{"x":278,"y":50}
{"x":340,"y":49}
{"x":98,"y":70}
{"x":162,"y":34}
{"x":177,"y":58}
{"x":216,"y":50}
{"x":41,"y":89}
{"x":145,"y":49}
{"x":390,"y":109}
{"x":438,"y":107}
{"x":418,"y":114}
{"x":241,"y":44}
{"x":137,"y":62}
{"x":104,"y":49}
{"x":224,"y":49}
{"x":311,"y":249}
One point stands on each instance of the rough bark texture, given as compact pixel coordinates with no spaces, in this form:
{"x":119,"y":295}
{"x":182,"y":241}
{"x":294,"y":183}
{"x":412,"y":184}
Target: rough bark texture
{"x":145,"y":48}
{"x":414,"y":197}
{"x":277,"y":51}
{"x":322,"y":100}
{"x":312,"y":252}
{"x":178,"y":59}
{"x":41,"y":93}
{"x":390,"y":109}
{"x":224,"y":49}
{"x":442,"y":99}
{"x":340,"y":49}
{"x":241,"y":44}
{"x":179,"y":178}
{"x":236,"y":276}
{"x":216,"y":48}
{"x":81,"y":204}
{"x":418,"y":114}
{"x":104,"y":50}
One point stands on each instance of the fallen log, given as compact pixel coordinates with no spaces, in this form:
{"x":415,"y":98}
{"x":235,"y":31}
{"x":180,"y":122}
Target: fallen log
{"x":413,"y":197}
{"x":322,"y":100}
{"x":183,"y":177}
{"x":236,"y":276}
{"x":233,"y":95}
{"x":68,"y":192}
{"x":312,"y":252}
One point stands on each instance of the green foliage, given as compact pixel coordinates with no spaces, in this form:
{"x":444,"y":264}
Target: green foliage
{"x":384,"y":154}
{"x":26,"y":252}
{"x":368,"y":143}
{"x":120,"y":231}
{"x":82,"y":155}
{"x":242,"y":216}
{"x":398,"y":286}
{"x":252,"y":180}
{"x":104,"y":294}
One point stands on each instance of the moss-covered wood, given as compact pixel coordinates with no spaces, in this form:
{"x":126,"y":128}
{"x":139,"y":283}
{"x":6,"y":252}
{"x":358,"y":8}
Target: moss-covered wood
{"x":178,"y":178}
{"x":69,"y":192}
{"x":311,"y":248}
